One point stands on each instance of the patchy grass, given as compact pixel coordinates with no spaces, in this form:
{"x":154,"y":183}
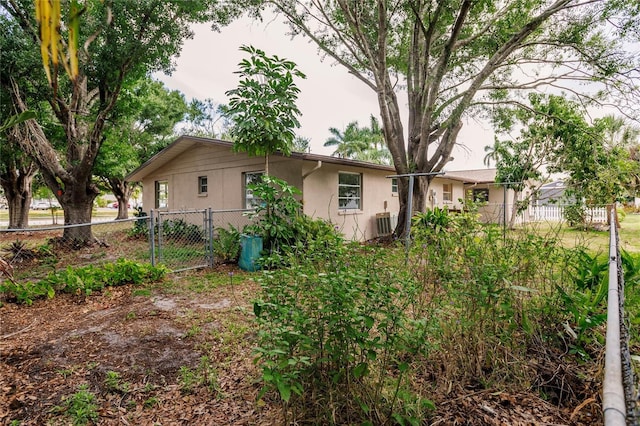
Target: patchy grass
{"x":596,"y":242}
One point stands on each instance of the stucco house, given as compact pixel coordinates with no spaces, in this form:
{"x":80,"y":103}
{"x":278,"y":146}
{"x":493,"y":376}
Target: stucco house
{"x":494,"y":199}
{"x":360,"y":198}
{"x":198,"y":173}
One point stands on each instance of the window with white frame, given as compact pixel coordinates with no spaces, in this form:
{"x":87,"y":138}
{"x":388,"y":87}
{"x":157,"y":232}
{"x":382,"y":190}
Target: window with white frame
{"x":162,"y":194}
{"x":394,"y":186}
{"x":349,"y":190}
{"x":202,"y":184}
{"x":480,"y":195}
{"x":250,"y":178}
{"x":447,"y":192}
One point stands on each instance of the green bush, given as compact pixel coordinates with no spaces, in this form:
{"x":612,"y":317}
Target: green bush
{"x":179,"y":229}
{"x":276,"y":218}
{"x":226,"y":247}
{"x":334,"y":326}
{"x":84,"y":280}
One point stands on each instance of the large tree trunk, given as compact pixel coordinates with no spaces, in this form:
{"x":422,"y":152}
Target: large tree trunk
{"x":122,"y":191}
{"x":16,"y":183}
{"x":77,"y":206}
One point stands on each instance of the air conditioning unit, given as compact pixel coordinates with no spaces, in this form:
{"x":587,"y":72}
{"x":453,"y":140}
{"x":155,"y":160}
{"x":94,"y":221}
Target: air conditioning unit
{"x":383,"y":223}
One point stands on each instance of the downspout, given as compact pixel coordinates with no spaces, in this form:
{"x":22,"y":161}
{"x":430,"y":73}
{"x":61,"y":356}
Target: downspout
{"x":306,"y":175}
{"x":315,"y":169}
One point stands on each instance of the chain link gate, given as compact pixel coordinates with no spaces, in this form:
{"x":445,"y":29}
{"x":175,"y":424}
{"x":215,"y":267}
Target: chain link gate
{"x":181,"y":240}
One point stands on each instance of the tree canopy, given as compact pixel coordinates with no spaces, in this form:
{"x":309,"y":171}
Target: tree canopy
{"x":263,"y":107}
{"x":142,"y":124}
{"x":555,"y":137}
{"x":122,"y":42}
{"x":461,"y":57}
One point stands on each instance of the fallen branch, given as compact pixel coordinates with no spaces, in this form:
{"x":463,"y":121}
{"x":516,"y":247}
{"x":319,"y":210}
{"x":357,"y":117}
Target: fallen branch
{"x":6,"y":336}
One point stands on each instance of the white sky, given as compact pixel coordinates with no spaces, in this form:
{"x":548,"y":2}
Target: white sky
{"x":330,"y":97}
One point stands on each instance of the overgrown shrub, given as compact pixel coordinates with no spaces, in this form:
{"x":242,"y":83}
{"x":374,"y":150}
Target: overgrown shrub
{"x":276,"y":216}
{"x":334,"y":327}
{"x":498,"y":296}
{"x":179,"y":229}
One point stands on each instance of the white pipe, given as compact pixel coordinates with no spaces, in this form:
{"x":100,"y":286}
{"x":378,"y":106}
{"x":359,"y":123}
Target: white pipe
{"x":613,"y":403}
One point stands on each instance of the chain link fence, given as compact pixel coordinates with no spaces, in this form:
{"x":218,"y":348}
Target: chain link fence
{"x":179,"y":240}
{"x":37,"y":251}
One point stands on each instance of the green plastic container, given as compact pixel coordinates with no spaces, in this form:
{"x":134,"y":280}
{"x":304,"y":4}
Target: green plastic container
{"x":250,"y":249}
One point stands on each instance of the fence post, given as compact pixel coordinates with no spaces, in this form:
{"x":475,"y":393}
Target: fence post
{"x":160,"y":257}
{"x":152,"y":237}
{"x":210,"y":229}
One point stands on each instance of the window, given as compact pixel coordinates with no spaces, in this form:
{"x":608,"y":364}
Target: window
{"x":480,"y":195}
{"x":394,"y":186}
{"x":349,"y":191}
{"x":447,"y":192}
{"x":202,"y":184}
{"x":162,"y":194}
{"x":249,"y":179}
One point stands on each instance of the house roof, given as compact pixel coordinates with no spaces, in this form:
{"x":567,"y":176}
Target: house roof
{"x":184,"y":143}
{"x":558,"y":184}
{"x":472,"y":176}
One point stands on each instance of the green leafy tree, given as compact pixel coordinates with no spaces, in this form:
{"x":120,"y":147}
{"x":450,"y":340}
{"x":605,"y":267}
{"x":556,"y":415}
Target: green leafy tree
{"x":456,"y":58}
{"x":263,"y":106}
{"x":143,"y":124}
{"x":555,"y":134}
{"x":123,"y":41}
{"x":598,"y":164}
{"x":518,"y":164}
{"x":207,"y":119}
{"x":16,"y":176}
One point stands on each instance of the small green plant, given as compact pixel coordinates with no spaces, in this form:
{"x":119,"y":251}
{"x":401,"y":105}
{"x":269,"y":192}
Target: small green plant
{"x":226,"y":247}
{"x":437,"y":220}
{"x":204,"y":375}
{"x":80,"y":407}
{"x":113,"y":382}
{"x":140,"y":227}
{"x":151,"y":402}
{"x":193,"y":331}
{"x":188,"y":379}
{"x":65,"y":372}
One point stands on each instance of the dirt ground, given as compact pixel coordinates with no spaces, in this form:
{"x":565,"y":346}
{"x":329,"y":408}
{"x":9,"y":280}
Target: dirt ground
{"x":180,"y":353}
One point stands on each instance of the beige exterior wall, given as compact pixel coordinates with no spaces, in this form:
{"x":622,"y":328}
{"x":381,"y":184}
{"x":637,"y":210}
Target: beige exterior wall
{"x":224,"y":171}
{"x":435,"y":196}
{"x":493,"y":211}
{"x":320,"y":198}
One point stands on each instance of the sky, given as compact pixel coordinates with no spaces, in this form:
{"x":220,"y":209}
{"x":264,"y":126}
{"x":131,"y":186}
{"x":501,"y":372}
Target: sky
{"x":329,"y":97}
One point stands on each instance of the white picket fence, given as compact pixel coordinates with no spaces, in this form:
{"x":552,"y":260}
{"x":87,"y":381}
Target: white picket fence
{"x":556,"y":214}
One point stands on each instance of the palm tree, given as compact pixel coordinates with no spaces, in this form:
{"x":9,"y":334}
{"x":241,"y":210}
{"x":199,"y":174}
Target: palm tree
{"x":360,"y":143}
{"x":348,"y":143}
